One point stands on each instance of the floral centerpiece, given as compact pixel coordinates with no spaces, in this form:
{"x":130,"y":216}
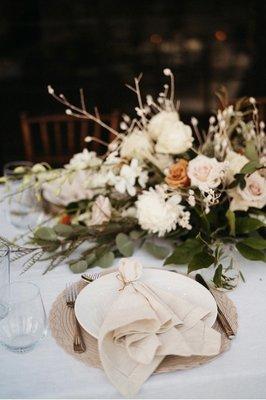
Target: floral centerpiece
{"x":159,"y":178}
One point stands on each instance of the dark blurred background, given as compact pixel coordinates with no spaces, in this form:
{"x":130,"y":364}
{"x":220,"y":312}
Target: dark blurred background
{"x":101,"y":45}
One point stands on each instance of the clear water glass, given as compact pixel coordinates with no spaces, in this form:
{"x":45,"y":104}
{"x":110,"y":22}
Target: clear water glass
{"x":4,"y":264}
{"x":24,"y":211}
{"x":23,"y":319}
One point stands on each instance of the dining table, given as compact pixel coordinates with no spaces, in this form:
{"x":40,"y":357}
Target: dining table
{"x":49,"y":372}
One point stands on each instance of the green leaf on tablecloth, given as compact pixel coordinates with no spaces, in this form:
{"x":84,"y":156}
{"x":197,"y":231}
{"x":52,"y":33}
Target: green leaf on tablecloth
{"x":250,"y":167}
{"x":184,"y":252}
{"x":255,"y":242}
{"x":124,"y":244}
{"x":247,"y":224}
{"x":231,"y":219}
{"x":63,"y":230}
{"x":251,"y":253}
{"x":45,"y":233}
{"x":106,"y":260}
{"x":200,"y":260}
{"x":251,"y":151}
{"x":91,"y":258}
{"x":78,"y":267}
{"x":217,"y":278}
{"x":155,"y":250}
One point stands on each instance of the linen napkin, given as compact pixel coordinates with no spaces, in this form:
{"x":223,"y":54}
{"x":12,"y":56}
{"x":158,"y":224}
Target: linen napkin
{"x":145,"y":324}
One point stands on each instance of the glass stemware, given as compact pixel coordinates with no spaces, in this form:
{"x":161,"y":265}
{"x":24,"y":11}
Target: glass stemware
{"x":24,"y":211}
{"x":4,"y":264}
{"x":23,"y":318}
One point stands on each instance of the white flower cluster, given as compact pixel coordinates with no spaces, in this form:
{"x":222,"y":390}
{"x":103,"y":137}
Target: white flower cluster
{"x":159,"y":213}
{"x":84,"y":160}
{"x":157,"y":136}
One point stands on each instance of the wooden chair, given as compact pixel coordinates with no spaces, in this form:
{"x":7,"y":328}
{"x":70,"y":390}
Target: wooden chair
{"x":261,"y":102}
{"x":55,"y":138}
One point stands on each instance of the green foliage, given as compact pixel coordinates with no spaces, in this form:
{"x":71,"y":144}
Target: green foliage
{"x":255,"y":242}
{"x":217,"y":278}
{"x":91,"y":258}
{"x":251,"y":151}
{"x":200,"y":260}
{"x":124,"y":244}
{"x":251,"y":253}
{"x":106,"y":260}
{"x":247,"y":225}
{"x":45,"y":233}
{"x":230,"y":215}
{"x":135,"y":235}
{"x":63,"y":230}
{"x":250,"y":167}
{"x":184,"y":252}
{"x":157,"y":251}
{"x":78,"y":267}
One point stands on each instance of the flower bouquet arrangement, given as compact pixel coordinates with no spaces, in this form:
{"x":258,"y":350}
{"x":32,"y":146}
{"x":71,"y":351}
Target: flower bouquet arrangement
{"x":182,"y":194}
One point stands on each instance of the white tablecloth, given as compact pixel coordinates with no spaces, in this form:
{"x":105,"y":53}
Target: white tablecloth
{"x":49,"y":372}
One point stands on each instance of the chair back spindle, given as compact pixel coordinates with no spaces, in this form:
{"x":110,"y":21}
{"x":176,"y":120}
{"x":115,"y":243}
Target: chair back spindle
{"x":55,"y":138}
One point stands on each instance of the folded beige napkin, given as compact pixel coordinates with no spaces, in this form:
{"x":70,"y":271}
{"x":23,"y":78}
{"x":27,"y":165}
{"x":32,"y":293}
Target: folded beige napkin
{"x":145,"y":324}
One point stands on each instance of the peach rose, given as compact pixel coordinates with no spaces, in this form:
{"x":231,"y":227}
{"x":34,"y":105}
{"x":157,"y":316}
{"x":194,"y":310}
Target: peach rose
{"x":177,"y":175}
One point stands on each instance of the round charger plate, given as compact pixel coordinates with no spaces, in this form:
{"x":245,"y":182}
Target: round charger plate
{"x":62,"y":325}
{"x":95,"y":300}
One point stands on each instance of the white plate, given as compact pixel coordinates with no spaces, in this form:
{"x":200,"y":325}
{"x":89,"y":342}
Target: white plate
{"x":94,"y":301}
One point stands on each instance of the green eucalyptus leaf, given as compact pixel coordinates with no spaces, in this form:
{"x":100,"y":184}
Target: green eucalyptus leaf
{"x":250,"y":253}
{"x":52,"y":246}
{"x":106,"y":260}
{"x":78,"y":267}
{"x":63,"y":230}
{"x":251,"y":151}
{"x":79,"y":229}
{"x":157,"y":251}
{"x":200,"y":260}
{"x":247,"y":224}
{"x":255,"y":242}
{"x":124,"y":244}
{"x":250,"y":167}
{"x":217,"y":278}
{"x":90,"y":258}
{"x":230,"y":215}
{"x":184,"y":252}
{"x":135,"y":235}
{"x":45,"y":233}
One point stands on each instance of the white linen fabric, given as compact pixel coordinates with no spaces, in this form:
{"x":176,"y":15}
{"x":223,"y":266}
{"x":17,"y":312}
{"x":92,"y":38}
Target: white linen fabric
{"x":144,"y":325}
{"x":49,"y":372}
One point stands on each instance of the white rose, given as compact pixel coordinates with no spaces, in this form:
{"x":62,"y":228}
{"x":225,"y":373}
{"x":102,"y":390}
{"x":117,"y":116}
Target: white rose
{"x":235,"y":163}
{"x":157,"y":122}
{"x":135,"y":145}
{"x":206,"y":173}
{"x":157,"y":214}
{"x":253,"y":195}
{"x":176,"y":138}
{"x":101,"y":211}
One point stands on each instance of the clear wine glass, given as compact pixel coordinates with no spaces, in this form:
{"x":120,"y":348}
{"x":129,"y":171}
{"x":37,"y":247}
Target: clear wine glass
{"x":23,"y":319}
{"x":24,"y":211}
{"x":4,"y":264}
